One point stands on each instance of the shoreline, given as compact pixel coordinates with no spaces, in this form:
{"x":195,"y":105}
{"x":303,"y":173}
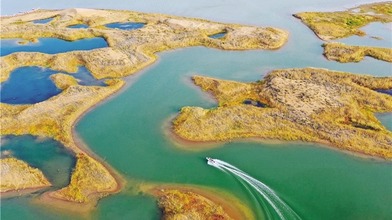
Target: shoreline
{"x":231,"y":205}
{"x":182,"y":143}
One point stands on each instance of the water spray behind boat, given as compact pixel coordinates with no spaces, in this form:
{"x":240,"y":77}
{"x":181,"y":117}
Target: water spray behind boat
{"x":281,"y":208}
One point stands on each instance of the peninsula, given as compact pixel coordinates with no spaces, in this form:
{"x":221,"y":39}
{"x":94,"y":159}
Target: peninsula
{"x":346,"y":53}
{"x":340,"y":24}
{"x":128,"y":51}
{"x":312,"y":105}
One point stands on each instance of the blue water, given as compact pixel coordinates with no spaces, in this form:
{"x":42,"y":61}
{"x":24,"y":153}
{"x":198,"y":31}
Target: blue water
{"x":78,"y":26}
{"x":385,"y":91}
{"x":46,"y":154}
{"x":29,"y":85}
{"x":218,"y":35}
{"x":43,"y":21}
{"x":377,"y":35}
{"x":51,"y":45}
{"x":125,"y":25}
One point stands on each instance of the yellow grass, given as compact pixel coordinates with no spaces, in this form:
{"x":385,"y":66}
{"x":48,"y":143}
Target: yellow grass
{"x":308,"y":104}
{"x":18,"y":175}
{"x":333,"y":25}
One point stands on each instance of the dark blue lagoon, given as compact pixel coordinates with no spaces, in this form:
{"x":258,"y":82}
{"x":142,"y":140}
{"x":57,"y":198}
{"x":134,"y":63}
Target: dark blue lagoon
{"x":43,"y":21}
{"x":385,"y":91}
{"x":49,"y":156}
{"x":218,"y":35}
{"x":78,"y":26}
{"x":126,"y":25}
{"x":29,"y":85}
{"x":51,"y":45}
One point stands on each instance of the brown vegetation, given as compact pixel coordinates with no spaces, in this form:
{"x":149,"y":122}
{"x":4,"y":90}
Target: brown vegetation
{"x":309,"y":104}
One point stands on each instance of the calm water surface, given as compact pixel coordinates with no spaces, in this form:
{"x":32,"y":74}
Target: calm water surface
{"x":129,"y":131}
{"x":125,"y":25}
{"x":32,"y":84}
{"x":51,"y":45}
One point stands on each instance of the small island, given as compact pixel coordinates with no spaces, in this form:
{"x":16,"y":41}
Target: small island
{"x":127,"y":52}
{"x":311,"y":105}
{"x":340,"y":24}
{"x":345,"y":53}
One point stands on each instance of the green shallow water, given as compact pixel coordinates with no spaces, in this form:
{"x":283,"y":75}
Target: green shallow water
{"x":129,"y":131}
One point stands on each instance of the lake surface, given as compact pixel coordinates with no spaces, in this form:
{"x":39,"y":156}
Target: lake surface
{"x":218,"y":35}
{"x":125,"y":25}
{"x":43,"y":21}
{"x":50,"y":45}
{"x":32,"y":84}
{"x":130,"y":130}
{"x":78,"y":26}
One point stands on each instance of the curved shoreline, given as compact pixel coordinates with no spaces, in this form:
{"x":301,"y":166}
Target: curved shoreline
{"x":232,"y":206}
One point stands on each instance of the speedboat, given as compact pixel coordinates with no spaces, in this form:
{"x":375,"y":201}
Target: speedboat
{"x":210,"y":160}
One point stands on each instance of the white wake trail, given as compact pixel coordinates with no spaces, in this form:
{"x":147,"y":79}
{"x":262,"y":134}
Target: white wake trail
{"x":281,"y":208}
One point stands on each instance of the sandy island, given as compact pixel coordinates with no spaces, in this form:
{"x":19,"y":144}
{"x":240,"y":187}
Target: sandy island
{"x":311,"y":105}
{"x":127,"y":52}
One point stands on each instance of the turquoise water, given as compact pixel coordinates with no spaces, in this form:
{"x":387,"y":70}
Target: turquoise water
{"x":51,"y":45}
{"x":43,"y":21}
{"x":129,"y":131}
{"x":125,"y":25}
{"x":29,"y":85}
{"x":49,"y":156}
{"x":78,"y":26}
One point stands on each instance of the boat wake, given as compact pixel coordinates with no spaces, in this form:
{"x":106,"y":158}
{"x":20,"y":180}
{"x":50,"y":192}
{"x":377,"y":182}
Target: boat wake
{"x":281,"y":208}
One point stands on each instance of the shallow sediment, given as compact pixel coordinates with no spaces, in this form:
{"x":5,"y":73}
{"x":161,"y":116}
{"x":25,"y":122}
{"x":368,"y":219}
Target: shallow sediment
{"x":334,"y":25}
{"x":16,"y":175}
{"x":346,"y":53}
{"x":313,"y":105}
